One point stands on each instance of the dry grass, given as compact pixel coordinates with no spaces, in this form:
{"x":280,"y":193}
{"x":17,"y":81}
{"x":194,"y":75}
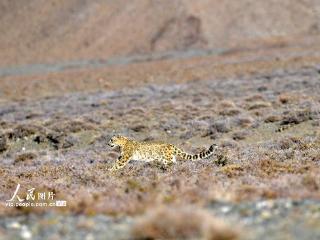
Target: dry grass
{"x":235,"y":174}
{"x":232,"y":170}
{"x":181,"y":223}
{"x":69,"y":152}
{"x":24,"y":157}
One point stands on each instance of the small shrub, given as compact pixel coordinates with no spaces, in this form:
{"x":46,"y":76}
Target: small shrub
{"x":232,"y":170}
{"x":222,"y":126}
{"x":311,"y":182}
{"x":25,"y":157}
{"x":240,"y":135}
{"x":25,"y":130}
{"x":181,"y":223}
{"x":259,"y":104}
{"x":230,"y":112}
{"x":272,"y":118}
{"x":3,"y":143}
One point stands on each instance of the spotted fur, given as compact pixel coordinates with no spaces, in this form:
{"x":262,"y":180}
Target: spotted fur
{"x":145,"y":151}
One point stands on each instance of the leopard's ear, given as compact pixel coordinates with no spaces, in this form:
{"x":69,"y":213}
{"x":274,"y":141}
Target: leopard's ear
{"x":116,"y":136}
{"x":122,"y":137}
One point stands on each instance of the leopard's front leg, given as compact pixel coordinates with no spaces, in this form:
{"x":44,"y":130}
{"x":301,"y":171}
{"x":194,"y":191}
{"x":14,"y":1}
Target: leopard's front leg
{"x":121,"y":162}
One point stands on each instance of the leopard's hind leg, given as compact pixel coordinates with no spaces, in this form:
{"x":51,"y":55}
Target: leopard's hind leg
{"x":168,"y":157}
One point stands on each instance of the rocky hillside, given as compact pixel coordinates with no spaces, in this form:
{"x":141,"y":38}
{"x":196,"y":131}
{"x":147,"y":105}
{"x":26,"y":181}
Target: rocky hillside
{"x":39,"y":31}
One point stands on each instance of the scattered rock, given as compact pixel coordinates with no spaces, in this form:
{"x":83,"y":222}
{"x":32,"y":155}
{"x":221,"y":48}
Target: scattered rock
{"x":60,"y":140}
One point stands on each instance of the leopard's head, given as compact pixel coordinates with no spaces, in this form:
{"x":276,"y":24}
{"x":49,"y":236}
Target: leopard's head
{"x":117,"y":141}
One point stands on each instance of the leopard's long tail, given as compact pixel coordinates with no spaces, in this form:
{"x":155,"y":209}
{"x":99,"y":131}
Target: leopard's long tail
{"x":201,"y":155}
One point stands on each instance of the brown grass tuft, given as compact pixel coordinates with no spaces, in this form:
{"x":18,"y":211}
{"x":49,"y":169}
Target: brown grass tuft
{"x":311,"y":181}
{"x":181,"y":223}
{"x":285,"y":98}
{"x":273,"y":168}
{"x":227,"y":104}
{"x":232,"y":170}
{"x":259,"y":104}
{"x":230,"y":111}
{"x":25,"y":157}
{"x":272,"y":118}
